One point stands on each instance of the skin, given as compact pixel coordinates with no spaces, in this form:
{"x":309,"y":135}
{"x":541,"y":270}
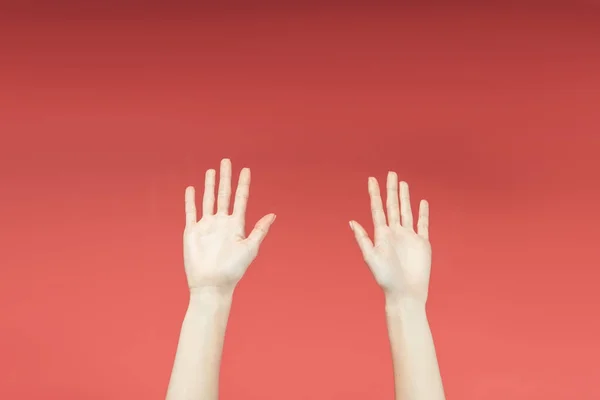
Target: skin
{"x":400,"y":260}
{"x":217,"y":254}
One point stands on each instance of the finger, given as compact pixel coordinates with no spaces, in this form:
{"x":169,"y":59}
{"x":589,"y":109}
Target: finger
{"x":423,"y":223}
{"x":241,"y":194}
{"x":208,"y":200}
{"x":190,"y":206}
{"x":364,"y":242}
{"x":393,"y":208}
{"x":376,"y":205}
{"x":224,"y":194}
{"x":260,"y":230}
{"x":407,"y":217}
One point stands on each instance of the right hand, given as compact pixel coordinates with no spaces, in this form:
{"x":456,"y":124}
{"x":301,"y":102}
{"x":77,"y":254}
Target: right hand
{"x":399,"y":257}
{"x":216,"y":250}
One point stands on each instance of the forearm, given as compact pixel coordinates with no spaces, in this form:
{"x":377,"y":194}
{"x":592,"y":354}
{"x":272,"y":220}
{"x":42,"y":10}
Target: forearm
{"x":195,"y":373}
{"x":416,"y":371}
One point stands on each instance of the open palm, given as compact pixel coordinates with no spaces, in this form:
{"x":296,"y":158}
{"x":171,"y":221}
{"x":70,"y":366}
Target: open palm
{"x":216,"y":251}
{"x":399,"y":257}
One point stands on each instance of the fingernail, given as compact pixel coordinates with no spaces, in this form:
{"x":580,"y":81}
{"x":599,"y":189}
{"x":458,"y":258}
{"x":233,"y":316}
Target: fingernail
{"x":274,"y":216}
{"x":351,"y":226}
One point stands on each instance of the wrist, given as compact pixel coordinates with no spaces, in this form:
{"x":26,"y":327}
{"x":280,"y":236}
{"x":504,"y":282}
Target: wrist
{"x":211,"y":294}
{"x":395,"y":304}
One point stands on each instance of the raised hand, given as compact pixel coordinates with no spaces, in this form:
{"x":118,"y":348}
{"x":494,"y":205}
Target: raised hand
{"x":399,"y":257}
{"x":216,"y":250}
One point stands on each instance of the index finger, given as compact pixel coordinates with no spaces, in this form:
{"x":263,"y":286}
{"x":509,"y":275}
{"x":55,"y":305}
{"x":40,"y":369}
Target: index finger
{"x":241,"y":193}
{"x":423,"y":222}
{"x":190,"y":206}
{"x":377,"y":212}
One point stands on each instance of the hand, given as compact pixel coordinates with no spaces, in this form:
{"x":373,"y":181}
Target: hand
{"x":400,"y":259}
{"x":215,"y":250}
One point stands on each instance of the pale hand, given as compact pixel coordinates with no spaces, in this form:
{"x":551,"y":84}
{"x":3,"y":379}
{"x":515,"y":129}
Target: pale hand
{"x":216,"y":251}
{"x":399,"y":257}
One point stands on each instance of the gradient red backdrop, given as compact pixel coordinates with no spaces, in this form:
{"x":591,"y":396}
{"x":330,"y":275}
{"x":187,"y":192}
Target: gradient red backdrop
{"x":492,"y":114}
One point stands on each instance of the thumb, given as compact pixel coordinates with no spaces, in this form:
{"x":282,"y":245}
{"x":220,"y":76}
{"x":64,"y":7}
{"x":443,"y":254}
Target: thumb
{"x":260,"y":230}
{"x":365,"y":244}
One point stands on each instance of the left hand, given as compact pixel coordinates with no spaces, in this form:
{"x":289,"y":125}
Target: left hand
{"x":399,"y":257}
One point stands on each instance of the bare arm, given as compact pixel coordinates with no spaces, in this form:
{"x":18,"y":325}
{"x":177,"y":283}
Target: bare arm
{"x":195,"y":373}
{"x":400,"y":260}
{"x":216,"y":256}
{"x":416,"y":371}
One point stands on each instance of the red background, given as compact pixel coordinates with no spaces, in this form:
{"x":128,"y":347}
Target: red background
{"x":491,"y":113}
